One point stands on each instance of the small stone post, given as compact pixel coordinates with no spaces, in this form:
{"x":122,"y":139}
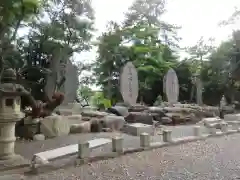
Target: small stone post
{"x":167,"y":135}
{"x":224,"y":127}
{"x":83,"y":150}
{"x":144,"y":140}
{"x":197,"y":131}
{"x":238,"y":126}
{"x":117,"y":144}
{"x":212,"y":129}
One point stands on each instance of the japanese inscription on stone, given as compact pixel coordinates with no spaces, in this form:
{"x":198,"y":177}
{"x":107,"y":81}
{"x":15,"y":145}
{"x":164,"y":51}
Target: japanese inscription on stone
{"x":129,"y":84}
{"x":172,"y":86}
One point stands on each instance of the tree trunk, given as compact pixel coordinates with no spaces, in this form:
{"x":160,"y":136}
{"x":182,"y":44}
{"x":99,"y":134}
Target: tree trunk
{"x":53,"y":76}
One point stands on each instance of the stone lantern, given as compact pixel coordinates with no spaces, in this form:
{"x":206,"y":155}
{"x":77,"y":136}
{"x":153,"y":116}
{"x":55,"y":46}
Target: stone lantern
{"x":10,"y":102}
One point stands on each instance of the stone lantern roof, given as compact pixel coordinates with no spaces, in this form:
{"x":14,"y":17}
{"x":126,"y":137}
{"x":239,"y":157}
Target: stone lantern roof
{"x":8,"y":83}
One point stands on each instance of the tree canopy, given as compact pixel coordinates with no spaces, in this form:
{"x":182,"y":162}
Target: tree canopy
{"x":38,"y":37}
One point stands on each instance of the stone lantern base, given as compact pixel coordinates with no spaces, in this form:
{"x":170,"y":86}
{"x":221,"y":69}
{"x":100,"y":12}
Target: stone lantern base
{"x":14,"y":161}
{"x":8,"y":158}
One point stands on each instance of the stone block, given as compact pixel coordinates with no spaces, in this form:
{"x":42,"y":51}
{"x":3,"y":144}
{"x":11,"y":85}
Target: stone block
{"x":39,"y":137}
{"x":117,"y":144}
{"x":83,"y":150}
{"x":84,"y":127}
{"x":197,"y":131}
{"x":114,"y":122}
{"x":74,"y":119}
{"x":53,"y":126}
{"x":139,"y":117}
{"x":137,"y":128}
{"x":224,"y":127}
{"x":167,"y":135}
{"x":232,"y":117}
{"x":144,"y":140}
{"x":123,"y":111}
{"x":209,"y":121}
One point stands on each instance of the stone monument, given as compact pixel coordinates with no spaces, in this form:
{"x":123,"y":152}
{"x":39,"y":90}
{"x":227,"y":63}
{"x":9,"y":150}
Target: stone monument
{"x":10,"y":113}
{"x":129,"y":84}
{"x":199,"y":91}
{"x":71,"y":84}
{"x":172,"y":86}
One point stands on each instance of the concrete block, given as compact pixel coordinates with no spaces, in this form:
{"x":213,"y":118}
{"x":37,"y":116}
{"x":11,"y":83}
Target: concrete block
{"x":137,"y":128}
{"x":232,"y":117}
{"x":83,"y":150}
{"x":144,"y":140}
{"x":167,"y":135}
{"x":224,"y":127}
{"x":117,"y":144}
{"x":197,"y":131}
{"x":39,"y":137}
{"x":213,"y":120}
{"x":212,"y":129}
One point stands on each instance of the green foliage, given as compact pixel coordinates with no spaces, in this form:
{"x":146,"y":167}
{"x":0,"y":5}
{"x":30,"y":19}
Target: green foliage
{"x":100,"y":101}
{"x":85,"y":93}
{"x":137,"y":40}
{"x":56,"y":30}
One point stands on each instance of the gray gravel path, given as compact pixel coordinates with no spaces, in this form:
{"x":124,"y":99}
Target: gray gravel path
{"x":27,"y":149}
{"x":213,"y":159}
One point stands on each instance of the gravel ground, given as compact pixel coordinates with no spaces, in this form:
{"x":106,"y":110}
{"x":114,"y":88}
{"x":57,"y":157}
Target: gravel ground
{"x":28,"y":149}
{"x":213,"y":159}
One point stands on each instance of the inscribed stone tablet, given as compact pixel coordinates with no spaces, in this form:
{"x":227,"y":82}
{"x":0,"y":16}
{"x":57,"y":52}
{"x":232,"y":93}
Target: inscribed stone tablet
{"x":172,"y":86}
{"x":129,"y":84}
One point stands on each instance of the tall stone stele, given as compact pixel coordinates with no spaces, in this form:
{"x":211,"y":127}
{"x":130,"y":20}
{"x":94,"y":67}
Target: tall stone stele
{"x":10,"y":102}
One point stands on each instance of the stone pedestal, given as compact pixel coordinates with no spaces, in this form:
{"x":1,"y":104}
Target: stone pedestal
{"x":136,"y":129}
{"x":7,"y":135}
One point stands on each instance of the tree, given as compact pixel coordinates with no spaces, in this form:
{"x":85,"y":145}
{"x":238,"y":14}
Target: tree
{"x":13,"y":15}
{"x":137,"y":39}
{"x":85,"y":93}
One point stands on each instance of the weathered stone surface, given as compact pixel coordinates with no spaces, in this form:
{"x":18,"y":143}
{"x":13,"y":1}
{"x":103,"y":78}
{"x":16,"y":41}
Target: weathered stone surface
{"x":214,"y":122}
{"x":96,"y":114}
{"x":53,"y":126}
{"x":74,"y":119}
{"x":138,"y":128}
{"x":232,"y":117}
{"x":13,"y":162}
{"x":139,"y":117}
{"x":84,"y":127}
{"x":123,"y":111}
{"x":172,"y":86}
{"x":177,"y":109}
{"x":137,"y":108}
{"x":12,"y":177}
{"x":159,"y":110}
{"x":166,"y":120}
{"x":71,"y":84}
{"x":97,"y":125}
{"x":27,"y":128}
{"x":39,"y":137}
{"x":129,"y":83}
{"x":108,"y":122}
{"x":114,"y":122}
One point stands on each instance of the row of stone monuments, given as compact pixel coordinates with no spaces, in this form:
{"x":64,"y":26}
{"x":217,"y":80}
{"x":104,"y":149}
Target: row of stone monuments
{"x":129,"y":85}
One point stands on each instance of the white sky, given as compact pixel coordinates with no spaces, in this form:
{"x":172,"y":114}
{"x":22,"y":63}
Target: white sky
{"x":197,"y":18}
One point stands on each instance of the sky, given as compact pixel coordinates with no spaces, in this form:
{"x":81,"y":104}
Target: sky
{"x":196,"y":17}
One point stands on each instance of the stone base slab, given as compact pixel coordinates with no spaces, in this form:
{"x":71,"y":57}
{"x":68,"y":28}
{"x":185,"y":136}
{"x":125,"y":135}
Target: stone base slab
{"x":14,"y":162}
{"x":136,"y":129}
